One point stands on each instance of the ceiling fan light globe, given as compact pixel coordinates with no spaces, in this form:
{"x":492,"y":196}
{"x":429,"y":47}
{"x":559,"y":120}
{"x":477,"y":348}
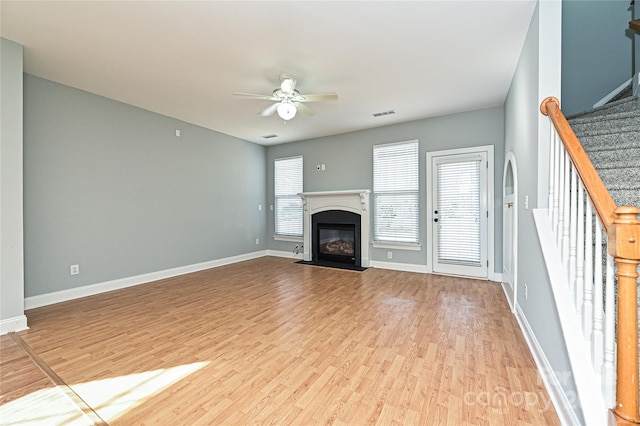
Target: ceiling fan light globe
{"x":287,"y":110}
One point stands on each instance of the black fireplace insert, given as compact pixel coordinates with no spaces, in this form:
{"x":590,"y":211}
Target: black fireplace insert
{"x":335,"y":237}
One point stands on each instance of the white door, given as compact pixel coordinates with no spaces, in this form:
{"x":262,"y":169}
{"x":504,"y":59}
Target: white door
{"x":509,"y":230}
{"x":459,"y":214}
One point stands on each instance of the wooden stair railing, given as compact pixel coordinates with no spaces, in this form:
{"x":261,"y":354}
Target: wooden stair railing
{"x":623,"y":231}
{"x":635,"y":25}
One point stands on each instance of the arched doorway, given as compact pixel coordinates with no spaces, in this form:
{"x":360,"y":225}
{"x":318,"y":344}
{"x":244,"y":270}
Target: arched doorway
{"x":510,"y":229}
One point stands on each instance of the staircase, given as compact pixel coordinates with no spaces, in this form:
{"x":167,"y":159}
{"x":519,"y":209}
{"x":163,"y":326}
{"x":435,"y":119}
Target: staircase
{"x":610,"y":135}
{"x":590,"y":239}
{"x":590,"y":242}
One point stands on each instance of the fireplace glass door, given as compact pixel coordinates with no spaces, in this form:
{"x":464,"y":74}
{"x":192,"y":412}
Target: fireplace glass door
{"x":336,"y":242}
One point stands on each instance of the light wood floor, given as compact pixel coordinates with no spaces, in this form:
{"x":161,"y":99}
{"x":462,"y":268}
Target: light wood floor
{"x":269,"y":341}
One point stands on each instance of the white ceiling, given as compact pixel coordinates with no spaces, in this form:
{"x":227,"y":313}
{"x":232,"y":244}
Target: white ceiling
{"x":186,"y":59}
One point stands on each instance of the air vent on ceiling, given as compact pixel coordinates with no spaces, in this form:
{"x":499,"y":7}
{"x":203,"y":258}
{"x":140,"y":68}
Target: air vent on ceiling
{"x":270,"y":136}
{"x":380,"y":114}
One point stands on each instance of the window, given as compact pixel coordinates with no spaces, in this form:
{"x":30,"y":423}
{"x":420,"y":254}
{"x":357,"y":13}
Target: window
{"x":288,"y":184}
{"x":395,"y":193}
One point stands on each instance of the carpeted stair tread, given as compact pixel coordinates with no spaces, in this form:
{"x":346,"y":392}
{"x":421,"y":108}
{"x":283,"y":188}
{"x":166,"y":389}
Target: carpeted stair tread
{"x":613,"y":143}
{"x":613,"y":122}
{"x":613,"y":180}
{"x":621,"y":105}
{"x":598,"y":137}
{"x":615,"y":158}
{"x":605,"y":117}
{"x":625,"y":197}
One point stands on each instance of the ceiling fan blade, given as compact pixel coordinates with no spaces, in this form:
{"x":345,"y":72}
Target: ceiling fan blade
{"x":255,"y":96}
{"x":319,"y":97}
{"x":305,"y":110}
{"x":269,"y":110}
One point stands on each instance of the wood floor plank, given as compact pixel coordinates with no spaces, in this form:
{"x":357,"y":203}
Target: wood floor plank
{"x":269,"y":341}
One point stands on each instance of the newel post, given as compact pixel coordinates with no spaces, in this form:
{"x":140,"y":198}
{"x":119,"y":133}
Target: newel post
{"x":624,"y":246}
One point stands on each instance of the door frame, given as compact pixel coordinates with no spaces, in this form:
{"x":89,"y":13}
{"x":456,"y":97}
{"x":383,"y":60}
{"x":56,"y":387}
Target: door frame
{"x":488,"y":150}
{"x":512,"y":293}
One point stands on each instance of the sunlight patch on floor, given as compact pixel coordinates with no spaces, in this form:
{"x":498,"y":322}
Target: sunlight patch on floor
{"x":110,"y":398}
{"x":44,"y":407}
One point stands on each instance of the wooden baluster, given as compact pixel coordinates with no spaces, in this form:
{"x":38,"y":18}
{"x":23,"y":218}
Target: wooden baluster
{"x":553,"y":138}
{"x":587,"y":306}
{"x":609,"y":365}
{"x":556,"y":181}
{"x":573,"y":234}
{"x":580,"y":252}
{"x":597,"y":347}
{"x":566,"y":209}
{"x":561,"y":189}
{"x":624,"y":236}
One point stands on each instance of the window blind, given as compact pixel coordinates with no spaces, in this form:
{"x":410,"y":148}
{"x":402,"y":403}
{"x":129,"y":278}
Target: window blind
{"x":458,"y":205}
{"x":395,"y":192}
{"x":288,"y":184}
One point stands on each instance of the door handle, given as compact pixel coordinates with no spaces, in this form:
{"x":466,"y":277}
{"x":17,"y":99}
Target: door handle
{"x":509,"y":205}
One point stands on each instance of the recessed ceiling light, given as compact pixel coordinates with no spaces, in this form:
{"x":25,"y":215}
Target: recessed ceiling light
{"x":270,"y":136}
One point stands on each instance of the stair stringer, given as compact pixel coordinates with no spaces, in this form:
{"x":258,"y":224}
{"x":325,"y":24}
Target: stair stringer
{"x":588,"y":382}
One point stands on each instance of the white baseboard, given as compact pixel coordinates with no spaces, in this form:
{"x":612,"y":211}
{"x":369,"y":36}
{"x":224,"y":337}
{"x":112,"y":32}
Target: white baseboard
{"x":14,"y":324}
{"x":422,"y":269}
{"x":287,"y":254}
{"x":90,"y":290}
{"x":406,"y":267}
{"x":508,"y":293}
{"x":613,"y":94}
{"x":555,"y":390}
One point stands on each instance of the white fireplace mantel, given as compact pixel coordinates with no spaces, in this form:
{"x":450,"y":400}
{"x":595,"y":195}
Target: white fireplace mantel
{"x":355,"y":201}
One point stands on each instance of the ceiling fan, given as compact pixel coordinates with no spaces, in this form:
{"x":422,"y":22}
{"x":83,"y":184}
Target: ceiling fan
{"x":288,"y":100}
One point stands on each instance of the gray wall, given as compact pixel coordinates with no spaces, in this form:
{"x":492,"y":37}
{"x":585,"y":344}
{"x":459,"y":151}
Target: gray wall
{"x":636,"y":51}
{"x":110,"y":187}
{"x":597,"y":51}
{"x":525,"y":128}
{"x":349,"y":165}
{"x":11,"y":182}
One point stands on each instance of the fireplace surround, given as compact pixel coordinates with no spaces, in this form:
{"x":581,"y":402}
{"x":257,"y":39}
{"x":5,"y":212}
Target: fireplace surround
{"x":341,"y":219}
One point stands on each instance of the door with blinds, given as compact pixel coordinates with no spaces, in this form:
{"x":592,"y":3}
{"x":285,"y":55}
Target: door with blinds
{"x":459,"y":214}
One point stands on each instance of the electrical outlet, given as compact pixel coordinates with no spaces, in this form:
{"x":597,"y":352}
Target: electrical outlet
{"x":259,"y":206}
{"x":74,"y":269}
{"x":257,"y":240}
{"x":525,"y":292}
{"x":389,"y":255}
